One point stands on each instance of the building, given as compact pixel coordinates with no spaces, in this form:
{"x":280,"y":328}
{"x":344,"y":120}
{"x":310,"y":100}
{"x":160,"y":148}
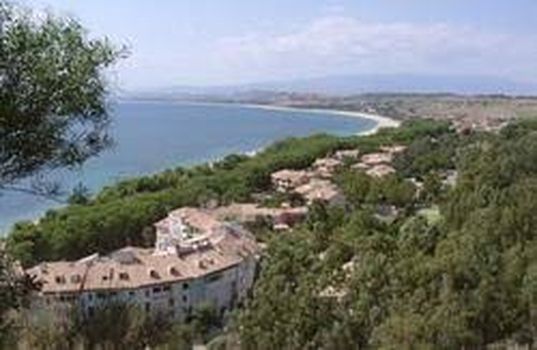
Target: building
{"x":380,"y":171}
{"x":321,"y":190}
{"x":326,"y":167}
{"x":373,"y":159}
{"x":395,"y":149}
{"x":245,"y":213}
{"x":351,"y":154}
{"x":196,"y":260}
{"x":286,"y":180}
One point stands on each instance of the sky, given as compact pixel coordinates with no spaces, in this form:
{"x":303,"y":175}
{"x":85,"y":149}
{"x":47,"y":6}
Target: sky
{"x":223,"y":42}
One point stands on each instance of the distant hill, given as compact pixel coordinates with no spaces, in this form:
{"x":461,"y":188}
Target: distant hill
{"x":355,"y":84}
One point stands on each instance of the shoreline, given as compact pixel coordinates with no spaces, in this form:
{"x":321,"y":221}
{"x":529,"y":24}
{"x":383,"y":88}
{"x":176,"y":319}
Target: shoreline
{"x":381,"y":121}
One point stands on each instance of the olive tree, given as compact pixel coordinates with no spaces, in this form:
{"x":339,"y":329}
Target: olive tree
{"x":53,"y":94}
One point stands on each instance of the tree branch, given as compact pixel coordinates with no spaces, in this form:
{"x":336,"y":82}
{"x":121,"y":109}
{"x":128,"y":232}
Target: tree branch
{"x":33,"y":192}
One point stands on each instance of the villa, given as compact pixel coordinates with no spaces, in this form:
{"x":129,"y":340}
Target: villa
{"x":244,"y":213}
{"x":326,"y":167}
{"x":287,"y":180}
{"x":380,"y":171}
{"x":321,"y":190}
{"x":196,"y":260}
{"x":373,"y":159}
{"x":351,"y":154}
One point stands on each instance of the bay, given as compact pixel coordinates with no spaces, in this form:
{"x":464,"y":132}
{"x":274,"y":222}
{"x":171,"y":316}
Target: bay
{"x":154,"y":136}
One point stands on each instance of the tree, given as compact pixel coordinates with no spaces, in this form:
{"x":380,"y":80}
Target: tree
{"x":53,"y":107}
{"x":14,"y":290}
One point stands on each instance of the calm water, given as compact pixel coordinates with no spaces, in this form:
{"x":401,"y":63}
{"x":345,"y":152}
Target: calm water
{"x":151,"y":137}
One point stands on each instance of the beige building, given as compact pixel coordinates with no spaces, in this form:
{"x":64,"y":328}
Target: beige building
{"x":196,"y":260}
{"x":321,"y":190}
{"x":380,"y":171}
{"x":280,"y":218}
{"x":351,"y":154}
{"x":326,"y":167}
{"x":286,"y":180}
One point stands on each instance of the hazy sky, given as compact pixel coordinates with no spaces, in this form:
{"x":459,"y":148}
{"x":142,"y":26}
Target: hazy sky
{"x":210,"y":42}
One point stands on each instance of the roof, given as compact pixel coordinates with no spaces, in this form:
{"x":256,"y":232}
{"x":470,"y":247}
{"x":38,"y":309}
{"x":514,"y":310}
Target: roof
{"x":347,"y":153}
{"x":393,"y":149}
{"x":291,"y":175}
{"x":318,"y":190}
{"x":249,"y":212}
{"x":326,"y":162}
{"x":131,"y":267}
{"x":377,"y":158}
{"x":198,"y":219}
{"x":380,"y":170}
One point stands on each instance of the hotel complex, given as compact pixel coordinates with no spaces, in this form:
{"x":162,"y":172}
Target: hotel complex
{"x":201,"y":256}
{"x":196,"y":260}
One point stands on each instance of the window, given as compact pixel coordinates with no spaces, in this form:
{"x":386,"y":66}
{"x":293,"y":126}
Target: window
{"x":147,"y":293}
{"x":123,"y":276}
{"x":147,"y":307}
{"x":185,"y":286}
{"x":90,"y":296}
{"x":131,"y":293}
{"x":156,"y":290}
{"x":166,"y":288}
{"x":185,"y":299}
{"x":171,"y":302}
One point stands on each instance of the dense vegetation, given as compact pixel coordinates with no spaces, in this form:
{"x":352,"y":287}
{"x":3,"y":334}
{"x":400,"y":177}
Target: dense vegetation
{"x":453,"y":267}
{"x":124,"y":214}
{"x":53,"y":109}
{"x":465,"y":277}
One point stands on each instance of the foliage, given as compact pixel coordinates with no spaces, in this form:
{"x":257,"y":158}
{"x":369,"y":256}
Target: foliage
{"x":464,"y":278}
{"x":15,"y":289}
{"x":53,"y":109}
{"x":123,"y":214}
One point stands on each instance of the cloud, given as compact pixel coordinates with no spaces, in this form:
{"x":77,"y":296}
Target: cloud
{"x":340,"y":45}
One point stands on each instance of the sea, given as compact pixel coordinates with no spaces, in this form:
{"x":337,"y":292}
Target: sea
{"x":153,"y":136}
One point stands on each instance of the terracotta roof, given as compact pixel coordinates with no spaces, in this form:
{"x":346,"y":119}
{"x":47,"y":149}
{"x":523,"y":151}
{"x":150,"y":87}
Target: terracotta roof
{"x":290,"y":175}
{"x":380,"y":170}
{"x":130,"y":267}
{"x":377,"y":158}
{"x":318,"y":190}
{"x":326,"y":162}
{"x":393,"y":149}
{"x":347,"y":153}
{"x":196,"y":218}
{"x":247,"y":212}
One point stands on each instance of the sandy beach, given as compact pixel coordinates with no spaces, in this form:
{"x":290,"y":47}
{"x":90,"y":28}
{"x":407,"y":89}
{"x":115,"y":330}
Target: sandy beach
{"x":381,"y":121}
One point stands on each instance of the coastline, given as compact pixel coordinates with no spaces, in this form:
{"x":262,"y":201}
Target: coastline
{"x":381,"y":121}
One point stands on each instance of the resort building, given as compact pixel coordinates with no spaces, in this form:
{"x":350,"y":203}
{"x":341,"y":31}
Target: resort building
{"x":286,"y":180}
{"x":245,"y":213}
{"x":196,"y":260}
{"x":350,"y":154}
{"x":321,"y":190}
{"x":326,"y":167}
{"x":373,"y":159}
{"x":380,"y":171}
{"x":395,"y":149}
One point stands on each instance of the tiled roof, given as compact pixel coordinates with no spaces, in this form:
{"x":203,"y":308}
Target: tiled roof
{"x":130,"y":267}
{"x":318,"y":190}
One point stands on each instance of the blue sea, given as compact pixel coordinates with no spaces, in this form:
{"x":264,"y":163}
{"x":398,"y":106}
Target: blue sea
{"x":154,"y":136}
